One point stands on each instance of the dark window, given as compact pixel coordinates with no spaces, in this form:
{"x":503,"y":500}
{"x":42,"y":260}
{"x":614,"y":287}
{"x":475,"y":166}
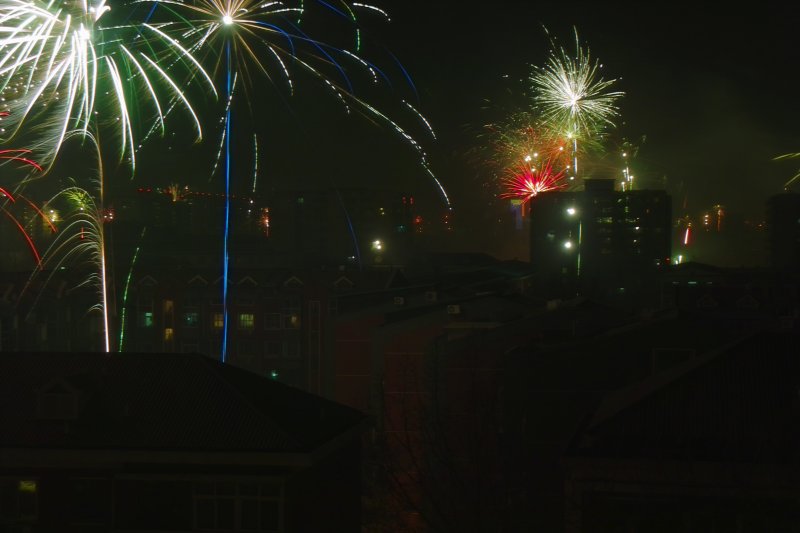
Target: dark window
{"x":291,"y":349}
{"x":273,"y":321}
{"x":90,"y":501}
{"x":153,"y":505}
{"x":238,"y":507}
{"x":273,"y":349}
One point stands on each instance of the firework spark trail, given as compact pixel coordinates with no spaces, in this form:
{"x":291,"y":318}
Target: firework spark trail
{"x":796,"y":176}
{"x":19,"y":155}
{"x":125,"y":292}
{"x":80,"y":236}
{"x":351,"y":228}
{"x":225,"y":258}
{"x":255,"y":162}
{"x":44,"y":217}
{"x":224,"y":122}
{"x":27,"y":237}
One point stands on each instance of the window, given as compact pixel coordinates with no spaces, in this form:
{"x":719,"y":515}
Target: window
{"x":18,"y":500}
{"x":191,"y":319}
{"x":217,"y":321}
{"x":247,"y":321}
{"x":291,"y":349}
{"x":273,"y":349}
{"x":291,"y":304}
{"x":242,"y":506}
{"x":291,"y":321}
{"x":273,"y":321}
{"x":90,"y":501}
{"x":169,"y":334}
{"x":247,"y":348}
{"x":151,"y":505}
{"x":146,"y":319}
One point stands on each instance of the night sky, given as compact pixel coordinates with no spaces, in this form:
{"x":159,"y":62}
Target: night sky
{"x":711,"y":91}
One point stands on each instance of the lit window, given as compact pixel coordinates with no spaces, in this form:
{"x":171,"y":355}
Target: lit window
{"x":217,"y":321}
{"x":27,"y":485}
{"x":146,"y":319}
{"x":27,"y":501}
{"x":246,"y":320}
{"x":169,"y":334}
{"x":291,"y":321}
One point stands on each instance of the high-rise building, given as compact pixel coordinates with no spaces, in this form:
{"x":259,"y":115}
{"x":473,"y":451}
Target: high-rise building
{"x":783,"y":224}
{"x":599,"y":238}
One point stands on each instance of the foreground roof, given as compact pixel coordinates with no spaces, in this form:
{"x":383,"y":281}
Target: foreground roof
{"x":157,"y":402}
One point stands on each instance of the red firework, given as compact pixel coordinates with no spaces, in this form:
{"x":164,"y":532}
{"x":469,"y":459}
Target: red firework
{"x":21,"y":155}
{"x":527,"y":181}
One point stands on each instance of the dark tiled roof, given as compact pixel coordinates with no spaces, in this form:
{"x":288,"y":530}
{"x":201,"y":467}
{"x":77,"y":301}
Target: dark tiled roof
{"x":738,"y":404}
{"x":161,"y":401}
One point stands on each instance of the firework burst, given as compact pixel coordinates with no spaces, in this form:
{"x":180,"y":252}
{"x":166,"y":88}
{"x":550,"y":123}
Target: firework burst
{"x":527,"y":181}
{"x":66,"y":66}
{"x":571,"y":96}
{"x":244,"y":40}
{"x":512,"y":144}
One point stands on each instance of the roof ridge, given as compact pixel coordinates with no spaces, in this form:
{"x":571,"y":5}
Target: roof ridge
{"x":620,"y":399}
{"x":261,"y":414}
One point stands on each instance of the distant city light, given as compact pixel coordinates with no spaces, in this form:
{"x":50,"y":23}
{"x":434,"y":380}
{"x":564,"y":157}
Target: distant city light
{"x":568,"y":245}
{"x":571,"y":211}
